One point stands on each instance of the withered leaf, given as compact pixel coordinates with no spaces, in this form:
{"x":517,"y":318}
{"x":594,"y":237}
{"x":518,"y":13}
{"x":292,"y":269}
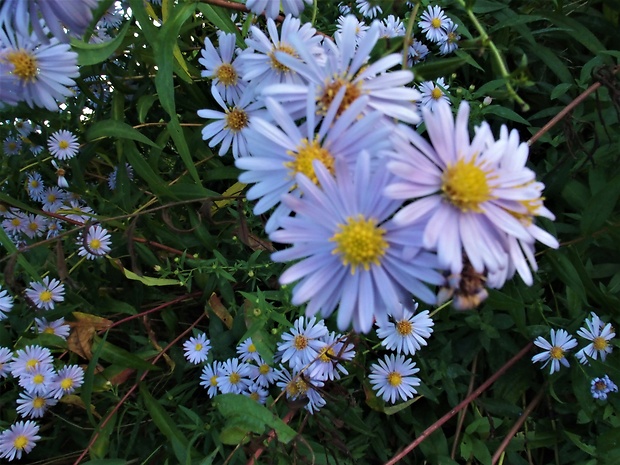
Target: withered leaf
{"x":221,"y":311}
{"x":80,"y":340}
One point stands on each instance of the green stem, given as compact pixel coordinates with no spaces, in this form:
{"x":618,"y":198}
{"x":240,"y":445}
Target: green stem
{"x":409,"y":33}
{"x":315,"y":9}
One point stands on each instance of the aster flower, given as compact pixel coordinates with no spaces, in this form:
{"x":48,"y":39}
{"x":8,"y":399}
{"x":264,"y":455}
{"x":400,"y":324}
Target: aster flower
{"x":368,"y":8}
{"x":63,"y":145}
{"x":53,"y":228}
{"x":68,"y":379}
{"x":433,"y":92}
{"x":39,"y":380}
{"x":599,"y":334}
{"x":35,"y":225}
{"x":554,"y":352}
{"x":222,"y":66}
{"x":470,"y":197}
{"x":114,"y":174}
{"x":360,"y":27}
{"x":302,"y":344}
{"x":347,"y":66}
{"x":392,"y":27}
{"x":408,"y":334}
{"x":53,"y":198}
{"x":14,"y":221}
{"x":60,"y":173}
{"x":197,"y":348}
{"x":350,"y":252}
{"x":45,"y":295}
{"x":29,"y":358}
{"x":450,"y":42}
{"x":600,"y":387}
{"x":260,"y":65}
{"x":56,"y":327}
{"x":96,"y":244}
{"x":234,"y":377}
{"x":208,"y":379}
{"x":230,"y":127}
{"x":33,"y":405}
{"x":297,"y":386}
{"x":247,"y":351}
{"x":328,"y":364}
{"x":433,"y":23}
{"x":6,"y":303}
{"x":12,"y":145}
{"x":263,"y":373}
{"x":35,"y":186}
{"x":6,"y":355}
{"x":271,"y":9}
{"x":111,"y":18}
{"x":257,"y":393}
{"x":24,"y":127}
{"x":43,"y":72}
{"x":344,"y":8}
{"x":393,"y":378}
{"x":281,"y":150}
{"x":20,"y":438}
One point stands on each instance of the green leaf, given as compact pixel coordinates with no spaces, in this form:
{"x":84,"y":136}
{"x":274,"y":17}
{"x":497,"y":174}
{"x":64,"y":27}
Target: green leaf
{"x":221,"y":20}
{"x":115,"y":355}
{"x":438,"y":68}
{"x":106,"y":462}
{"x":560,"y":90}
{"x":100,"y":447}
{"x":600,"y":207}
{"x":576,"y":31}
{"x":237,"y":408}
{"x":11,"y":249}
{"x":392,"y":409}
{"x":148,"y":281}
{"x":175,"y":130}
{"x":118,"y":130}
{"x":91,"y":54}
{"x":143,"y":169}
{"x":505,"y":113}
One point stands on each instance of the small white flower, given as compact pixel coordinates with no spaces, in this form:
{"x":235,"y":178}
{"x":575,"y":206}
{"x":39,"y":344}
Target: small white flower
{"x":63,"y":145}
{"x":96,"y":244}
{"x":554,"y":352}
{"x":393,"y":378}
{"x":197,"y":348}
{"x":407,"y":334}
{"x":599,"y":334}
{"x":46,"y":294}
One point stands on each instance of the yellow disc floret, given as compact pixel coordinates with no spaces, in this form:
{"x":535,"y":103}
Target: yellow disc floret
{"x":556,"y":353}
{"x":465,"y":185}
{"x":330,"y":90}
{"x":360,"y":242}
{"x":300,"y":342}
{"x":226,"y":74}
{"x":236,"y":119}
{"x":306,"y":153}
{"x":395,"y":379}
{"x":404,"y":328}
{"x":20,"y":442}
{"x":600,"y":343}
{"x":275,"y":64}
{"x":436,"y":93}
{"x":24,"y":64}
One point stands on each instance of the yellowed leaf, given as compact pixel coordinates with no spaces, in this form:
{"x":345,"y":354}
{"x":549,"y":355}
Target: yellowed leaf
{"x":80,"y":339}
{"x":221,"y":311}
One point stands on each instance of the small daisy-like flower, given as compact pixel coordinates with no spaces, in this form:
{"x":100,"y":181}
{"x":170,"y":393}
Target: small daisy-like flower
{"x":56,"y":327}
{"x":28,"y":359}
{"x":600,"y":387}
{"x":39,"y":381}
{"x":554,"y":352}
{"x":33,"y":405}
{"x":46,"y":294}
{"x":434,"y":22}
{"x":96,"y":243}
{"x":599,"y":334}
{"x":197,"y":348}
{"x":230,"y":127}
{"x":247,"y":351}
{"x":12,"y":145}
{"x":302,"y":344}
{"x":208,"y":379}
{"x":6,"y":355}
{"x":451,"y":40}
{"x":408,"y":334}
{"x":53,"y":197}
{"x":328,"y":364}
{"x":235,"y":376}
{"x":112,"y":17}
{"x":392,"y":27}
{"x":53,"y":228}
{"x":19,"y":439}
{"x":271,"y":9}
{"x":24,"y":127}
{"x":469,"y":197}
{"x":63,"y":145}
{"x":14,"y":222}
{"x":360,"y":26}
{"x":60,"y":175}
{"x":347,"y":249}
{"x":223,"y":68}
{"x":263,"y":373}
{"x":368,"y":8}
{"x":344,"y":8}
{"x":68,"y":379}
{"x":35,"y":186}
{"x":113,"y":175}
{"x":256,"y":392}
{"x":6,"y":303}
{"x":35,"y":225}
{"x":298,"y":386}
{"x":393,"y":378}
{"x":433,"y":92}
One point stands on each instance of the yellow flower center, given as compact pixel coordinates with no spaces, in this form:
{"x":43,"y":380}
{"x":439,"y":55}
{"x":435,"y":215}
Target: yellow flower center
{"x":234,"y":378}
{"x":600,"y":343}
{"x":33,"y":226}
{"x":48,"y":330}
{"x":198,"y":346}
{"x":306,"y":153}
{"x":16,"y":222}
{"x":395,"y":379}
{"x":213,"y":380}
{"x":25,"y":65}
{"x":38,"y":378}
{"x":292,"y":389}
{"x":66,"y":383}
{"x":359,"y":243}
{"x":32,"y":363}
{"x":302,"y":386}
{"x":236,"y":119}
{"x":254,"y":395}
{"x":63,"y":144}
{"x":556,"y":353}
{"x":465,"y":185}
{"x":51,"y":198}
{"x":226,"y":74}
{"x":38,"y":402}
{"x":352,"y":92}
{"x":436,"y":23}
{"x":20,"y":442}
{"x":300,"y":342}
{"x":251,"y":348}
{"x":263,"y":369}
{"x":404,"y":328}
{"x":34,"y":183}
{"x":327,"y":354}
{"x":275,"y":64}
{"x":600,"y":385}
{"x":45,"y":296}
{"x":436,"y":93}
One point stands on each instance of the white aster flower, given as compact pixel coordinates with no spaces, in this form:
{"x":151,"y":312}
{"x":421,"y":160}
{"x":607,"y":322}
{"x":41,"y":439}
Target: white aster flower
{"x":234,"y":377}
{"x":56,"y":327}
{"x":6,"y":355}
{"x":368,"y":8}
{"x":19,"y":439}
{"x":6,"y":303}
{"x":302,"y":344}
{"x":599,"y":334}
{"x":328,"y":365}
{"x":33,"y":405}
{"x":63,"y":145}
{"x":247,"y":351}
{"x":433,"y":92}
{"x":95,"y":244}
{"x":271,"y":8}
{"x":208,"y":379}
{"x":554,"y":352}
{"x":408,"y":334}
{"x":393,"y":378}
{"x":434,"y":23}
{"x":46,"y":294}
{"x":68,"y":379}
{"x":197,"y":348}
{"x":28,"y":359}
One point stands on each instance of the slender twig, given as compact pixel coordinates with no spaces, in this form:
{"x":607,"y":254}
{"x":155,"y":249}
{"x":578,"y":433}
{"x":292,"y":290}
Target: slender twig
{"x":227,"y":4}
{"x":132,"y":389}
{"x":428,"y":431}
{"x":272,"y":434}
{"x":517,"y":425}
{"x":461,"y":419}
